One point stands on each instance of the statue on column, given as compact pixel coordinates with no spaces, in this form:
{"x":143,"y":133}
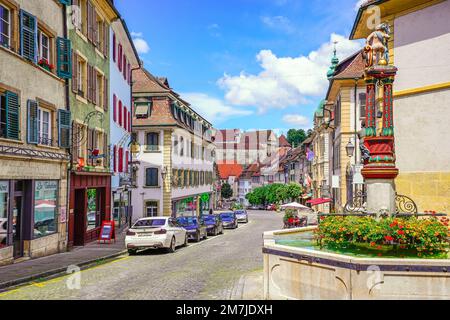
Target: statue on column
{"x":376,"y":51}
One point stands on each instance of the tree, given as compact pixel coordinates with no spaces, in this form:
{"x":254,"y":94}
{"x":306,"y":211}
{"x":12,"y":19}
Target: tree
{"x":294,"y":190}
{"x":226,"y":192}
{"x":296,"y":137}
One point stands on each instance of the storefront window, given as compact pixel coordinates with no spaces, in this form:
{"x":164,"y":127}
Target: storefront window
{"x":3,"y":213}
{"x":186,"y":207}
{"x":93,"y":217}
{"x":45,"y":207}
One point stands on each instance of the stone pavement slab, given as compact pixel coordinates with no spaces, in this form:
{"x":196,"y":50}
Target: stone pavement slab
{"x":23,"y":272}
{"x":249,"y":287}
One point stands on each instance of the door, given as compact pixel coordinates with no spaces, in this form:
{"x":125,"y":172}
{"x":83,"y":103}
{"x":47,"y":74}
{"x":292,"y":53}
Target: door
{"x":17,"y":226}
{"x":79,"y":217}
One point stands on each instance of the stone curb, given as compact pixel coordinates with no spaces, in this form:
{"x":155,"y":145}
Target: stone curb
{"x":59,"y":271}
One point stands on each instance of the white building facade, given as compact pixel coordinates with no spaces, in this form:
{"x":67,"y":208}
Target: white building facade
{"x":123,"y":59}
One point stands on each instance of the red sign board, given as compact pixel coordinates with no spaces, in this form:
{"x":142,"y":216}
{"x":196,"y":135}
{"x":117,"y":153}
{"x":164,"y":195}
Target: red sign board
{"x":107,"y":232}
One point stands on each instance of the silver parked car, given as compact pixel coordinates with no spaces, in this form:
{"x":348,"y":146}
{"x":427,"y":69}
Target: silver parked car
{"x":241,"y":216}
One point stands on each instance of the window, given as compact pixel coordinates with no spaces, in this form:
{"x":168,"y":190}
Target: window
{"x":45,"y":127}
{"x":362,"y":105}
{"x":45,"y":208}
{"x":151,"y":209}
{"x":337,"y":110}
{"x":142,"y":110}
{"x":152,"y":141}
{"x":151,"y":177}
{"x":81,"y":77}
{"x":181,"y":146}
{"x":5,"y":26}
{"x":44,"y":46}
{"x":93,"y":212}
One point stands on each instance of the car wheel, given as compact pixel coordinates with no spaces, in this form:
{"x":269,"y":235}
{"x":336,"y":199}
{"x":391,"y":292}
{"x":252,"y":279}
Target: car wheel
{"x":132,"y":252}
{"x":172,"y":247}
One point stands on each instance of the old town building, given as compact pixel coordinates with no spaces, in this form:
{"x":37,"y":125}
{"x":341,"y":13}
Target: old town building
{"x":123,"y":58}
{"x":90,"y":181}
{"x":418,"y":47}
{"x":34,"y":128}
{"x":174,"y":162}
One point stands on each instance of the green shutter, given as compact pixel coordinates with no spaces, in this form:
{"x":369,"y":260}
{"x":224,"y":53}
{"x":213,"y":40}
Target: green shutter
{"x":32,"y":134}
{"x":65,"y":2}
{"x":12,"y":116}
{"x":64,"y":125}
{"x":64,"y":57}
{"x":28,"y":36}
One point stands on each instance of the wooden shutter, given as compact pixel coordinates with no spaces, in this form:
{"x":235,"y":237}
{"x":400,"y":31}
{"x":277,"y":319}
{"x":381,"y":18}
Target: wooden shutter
{"x":32,"y":132}
{"x":90,"y":28}
{"x":120,"y":159}
{"x":74,"y":72}
{"x":12,"y":116}
{"x":105,"y":94}
{"x":105,"y":39}
{"x":106,"y":152}
{"x":75,"y":141}
{"x":95,"y":30}
{"x":64,"y":126}
{"x":114,"y":108}
{"x":125,"y":114}
{"x":94,"y":86}
{"x":127,"y":161}
{"x":28,"y":36}
{"x":115,"y":159}
{"x":114,"y":49}
{"x":88,"y":78}
{"x":64,"y":61}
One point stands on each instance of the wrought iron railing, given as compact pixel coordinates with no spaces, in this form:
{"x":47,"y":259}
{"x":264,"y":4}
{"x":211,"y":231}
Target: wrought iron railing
{"x":358,"y":204}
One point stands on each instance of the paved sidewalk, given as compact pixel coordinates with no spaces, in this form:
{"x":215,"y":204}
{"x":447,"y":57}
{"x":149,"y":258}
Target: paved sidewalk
{"x":249,"y":287}
{"x":27,"y":271}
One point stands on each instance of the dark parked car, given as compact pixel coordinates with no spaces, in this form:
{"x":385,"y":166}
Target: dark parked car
{"x":229,"y":219}
{"x":214,"y":224}
{"x":196,"y":228}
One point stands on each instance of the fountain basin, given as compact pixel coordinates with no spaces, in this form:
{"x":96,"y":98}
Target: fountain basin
{"x":308,"y":273}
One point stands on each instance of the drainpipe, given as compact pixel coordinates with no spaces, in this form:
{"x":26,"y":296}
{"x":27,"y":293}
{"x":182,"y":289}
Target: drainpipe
{"x":69,"y":168}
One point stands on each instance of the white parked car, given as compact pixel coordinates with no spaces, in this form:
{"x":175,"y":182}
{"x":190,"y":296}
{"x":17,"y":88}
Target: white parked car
{"x":156,"y":232}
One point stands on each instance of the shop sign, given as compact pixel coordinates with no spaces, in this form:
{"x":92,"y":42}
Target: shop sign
{"x":107,"y":232}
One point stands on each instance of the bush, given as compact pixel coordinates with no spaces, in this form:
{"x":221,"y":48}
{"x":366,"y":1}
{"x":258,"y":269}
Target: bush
{"x":426,"y":236}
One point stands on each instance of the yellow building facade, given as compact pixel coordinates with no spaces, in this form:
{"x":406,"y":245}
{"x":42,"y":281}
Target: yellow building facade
{"x":418,"y":47}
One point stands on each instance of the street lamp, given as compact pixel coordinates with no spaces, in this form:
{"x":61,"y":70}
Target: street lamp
{"x":350,"y":148}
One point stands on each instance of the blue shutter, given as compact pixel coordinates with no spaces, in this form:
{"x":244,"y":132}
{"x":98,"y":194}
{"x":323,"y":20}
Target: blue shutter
{"x":64,"y":58}
{"x":64,"y":125}
{"x":32,"y":134}
{"x":65,"y":2}
{"x":28,"y":36}
{"x":12,"y":116}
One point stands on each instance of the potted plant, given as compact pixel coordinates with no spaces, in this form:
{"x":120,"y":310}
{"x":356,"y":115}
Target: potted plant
{"x":44,"y":64}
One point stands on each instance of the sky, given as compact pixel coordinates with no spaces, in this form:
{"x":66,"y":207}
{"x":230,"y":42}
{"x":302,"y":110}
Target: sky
{"x":247,"y":64}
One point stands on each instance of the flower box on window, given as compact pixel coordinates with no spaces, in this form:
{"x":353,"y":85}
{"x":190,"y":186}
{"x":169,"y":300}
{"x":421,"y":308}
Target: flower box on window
{"x":44,"y":64}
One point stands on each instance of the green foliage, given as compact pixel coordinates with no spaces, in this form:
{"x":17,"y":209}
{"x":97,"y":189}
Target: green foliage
{"x":425,"y":236}
{"x":237,"y":206}
{"x":289,"y":214}
{"x":296,"y":137}
{"x":227,"y":192}
{"x":274,"y":193}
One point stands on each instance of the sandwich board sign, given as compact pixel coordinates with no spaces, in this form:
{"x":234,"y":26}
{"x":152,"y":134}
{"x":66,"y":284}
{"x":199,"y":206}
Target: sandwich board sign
{"x":107,"y":232}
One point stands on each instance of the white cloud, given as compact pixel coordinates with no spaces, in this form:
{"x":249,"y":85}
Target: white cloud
{"x":285,"y":81}
{"x":279,"y":23}
{"x":296,"y":120}
{"x":359,"y":4}
{"x":140,"y":43}
{"x":212,"y":109}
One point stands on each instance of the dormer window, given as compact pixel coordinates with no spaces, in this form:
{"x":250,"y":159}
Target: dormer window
{"x":143,"y":110}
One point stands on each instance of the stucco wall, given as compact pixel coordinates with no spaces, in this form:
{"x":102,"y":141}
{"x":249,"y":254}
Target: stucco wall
{"x":422,"y":47}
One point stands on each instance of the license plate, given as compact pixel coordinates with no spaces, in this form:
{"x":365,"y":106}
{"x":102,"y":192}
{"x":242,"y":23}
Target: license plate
{"x":145,"y":234}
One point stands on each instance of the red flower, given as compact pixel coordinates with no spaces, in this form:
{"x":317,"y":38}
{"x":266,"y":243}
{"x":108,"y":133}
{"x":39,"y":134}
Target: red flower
{"x":389,"y":238}
{"x":400,"y":232}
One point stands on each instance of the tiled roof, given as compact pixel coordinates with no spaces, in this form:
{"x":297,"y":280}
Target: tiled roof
{"x":145,"y":82}
{"x":283,"y":142}
{"x":352,"y":67}
{"x":227,"y":170}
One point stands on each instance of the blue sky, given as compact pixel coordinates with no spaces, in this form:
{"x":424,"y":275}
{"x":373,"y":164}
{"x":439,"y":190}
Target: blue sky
{"x":249,"y":64}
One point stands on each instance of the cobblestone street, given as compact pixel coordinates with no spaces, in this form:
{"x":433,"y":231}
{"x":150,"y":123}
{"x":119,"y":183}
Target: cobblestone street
{"x":212,"y":269}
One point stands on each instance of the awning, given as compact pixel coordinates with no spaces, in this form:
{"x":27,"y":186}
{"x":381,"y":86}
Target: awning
{"x":142,"y":110}
{"x":316,"y":202}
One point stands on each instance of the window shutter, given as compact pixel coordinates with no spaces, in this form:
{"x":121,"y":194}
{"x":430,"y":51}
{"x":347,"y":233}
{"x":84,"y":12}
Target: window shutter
{"x":28,"y":36}
{"x":119,"y":58}
{"x":64,"y":125}
{"x":12,"y":115}
{"x":129,"y":121}
{"x":129,"y":74}
{"x":114,"y":108}
{"x":76,"y":14}
{"x":89,"y":83}
{"x":120,"y":159}
{"x":105,"y":94}
{"x":95,"y":30}
{"x":114,"y":47}
{"x":32,"y":134}
{"x":120,"y":113}
{"x":74,"y":72}
{"x":106,"y":39}
{"x":127,"y":160}
{"x":94,"y":86}
{"x":125,"y":114}
{"x":106,"y":151}
{"x":65,"y":2}
{"x":63,"y":49}
{"x":115,"y":159}
{"x":76,"y":141}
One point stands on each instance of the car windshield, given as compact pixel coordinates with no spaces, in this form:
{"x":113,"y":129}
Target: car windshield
{"x":240,"y":212}
{"x":187,"y":221}
{"x":209,"y":218}
{"x":227,"y":215}
{"x":152,"y":223}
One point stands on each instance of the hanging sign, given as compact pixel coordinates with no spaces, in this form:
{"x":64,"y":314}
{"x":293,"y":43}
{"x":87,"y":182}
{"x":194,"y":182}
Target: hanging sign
{"x":107,"y":232}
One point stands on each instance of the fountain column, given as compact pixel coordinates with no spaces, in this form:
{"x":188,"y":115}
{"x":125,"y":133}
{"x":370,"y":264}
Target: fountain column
{"x":380,"y":169}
